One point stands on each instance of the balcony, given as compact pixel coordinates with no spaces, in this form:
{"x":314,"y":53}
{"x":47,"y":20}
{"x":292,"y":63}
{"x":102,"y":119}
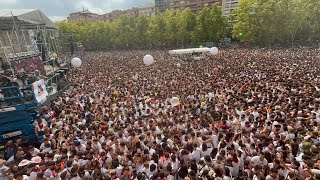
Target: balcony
{"x":161,"y":2}
{"x":178,"y":3}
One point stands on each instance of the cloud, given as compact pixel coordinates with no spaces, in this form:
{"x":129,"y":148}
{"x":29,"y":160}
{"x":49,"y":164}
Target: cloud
{"x":63,"y":8}
{"x":7,"y":1}
{"x":57,"y":18}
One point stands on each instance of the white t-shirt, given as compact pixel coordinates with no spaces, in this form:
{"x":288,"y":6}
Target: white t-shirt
{"x":196,"y":154}
{"x":35,"y":152}
{"x":81,"y":148}
{"x":205,"y":153}
{"x":256,"y":161}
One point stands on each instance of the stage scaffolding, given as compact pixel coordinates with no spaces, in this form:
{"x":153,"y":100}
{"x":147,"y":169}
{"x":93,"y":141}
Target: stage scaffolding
{"x":29,"y":33}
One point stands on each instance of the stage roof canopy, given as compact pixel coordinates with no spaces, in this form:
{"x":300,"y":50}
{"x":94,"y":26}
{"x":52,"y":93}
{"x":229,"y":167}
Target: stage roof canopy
{"x":189,"y":51}
{"x":24,"y":18}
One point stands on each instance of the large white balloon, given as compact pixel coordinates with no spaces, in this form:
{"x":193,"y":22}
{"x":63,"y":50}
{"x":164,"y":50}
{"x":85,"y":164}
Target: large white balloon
{"x":175,"y":101}
{"x":214,"y":51}
{"x":148,"y":60}
{"x":76,"y":62}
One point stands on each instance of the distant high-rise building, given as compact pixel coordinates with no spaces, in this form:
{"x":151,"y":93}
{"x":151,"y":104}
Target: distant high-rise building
{"x":161,"y":5}
{"x":228,"y":6}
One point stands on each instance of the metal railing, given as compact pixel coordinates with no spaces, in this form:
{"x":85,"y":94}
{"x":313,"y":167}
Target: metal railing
{"x":15,"y":95}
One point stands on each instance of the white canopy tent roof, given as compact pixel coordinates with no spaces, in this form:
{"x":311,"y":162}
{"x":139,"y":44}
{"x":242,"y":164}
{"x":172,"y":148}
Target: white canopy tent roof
{"x":189,"y":51}
{"x":25,"y":17}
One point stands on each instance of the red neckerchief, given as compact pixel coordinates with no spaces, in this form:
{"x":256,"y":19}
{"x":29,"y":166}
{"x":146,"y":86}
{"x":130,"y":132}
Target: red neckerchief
{"x":163,"y":158}
{"x":54,"y":174}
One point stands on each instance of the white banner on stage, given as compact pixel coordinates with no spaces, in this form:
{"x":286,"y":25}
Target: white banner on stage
{"x":40,"y":91}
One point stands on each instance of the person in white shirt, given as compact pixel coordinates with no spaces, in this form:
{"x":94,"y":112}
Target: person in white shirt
{"x":152,"y":170}
{"x":79,"y":147}
{"x":33,"y":151}
{"x":40,"y":126}
{"x":96,"y":145}
{"x":218,"y":163}
{"x":273,"y":175}
{"x":205,"y":150}
{"x":196,"y":154}
{"x":259,"y":160}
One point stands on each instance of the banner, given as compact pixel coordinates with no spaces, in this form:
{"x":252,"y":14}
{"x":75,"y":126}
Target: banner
{"x":40,"y":91}
{"x":28,"y":64}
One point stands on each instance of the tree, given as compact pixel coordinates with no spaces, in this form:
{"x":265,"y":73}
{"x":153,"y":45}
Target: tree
{"x":186,"y":22}
{"x":210,"y":25}
{"x":123,"y":32}
{"x":261,"y":22}
{"x":156,"y":30}
{"x":276,"y":21}
{"x":170,"y":26}
{"x":141,"y":29}
{"x":246,"y":24}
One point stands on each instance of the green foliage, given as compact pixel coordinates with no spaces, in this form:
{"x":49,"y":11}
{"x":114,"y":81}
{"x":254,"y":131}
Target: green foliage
{"x":277,"y":21}
{"x":281,"y":22}
{"x":169,"y":28}
{"x":210,"y":25}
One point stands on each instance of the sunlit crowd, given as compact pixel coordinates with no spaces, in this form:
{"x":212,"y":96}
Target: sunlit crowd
{"x":242,"y":114}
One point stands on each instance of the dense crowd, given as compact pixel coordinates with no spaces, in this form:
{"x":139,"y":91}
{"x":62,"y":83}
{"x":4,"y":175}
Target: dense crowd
{"x":243,"y":114}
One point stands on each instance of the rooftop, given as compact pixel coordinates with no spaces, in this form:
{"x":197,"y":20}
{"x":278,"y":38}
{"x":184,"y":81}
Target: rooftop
{"x":26,"y":18}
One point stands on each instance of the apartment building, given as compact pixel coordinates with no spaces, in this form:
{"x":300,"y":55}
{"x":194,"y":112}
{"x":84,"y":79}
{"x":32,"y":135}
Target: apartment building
{"x":228,"y":6}
{"x":147,"y":10}
{"x":161,"y":5}
{"x":194,"y":5}
{"x":84,"y":16}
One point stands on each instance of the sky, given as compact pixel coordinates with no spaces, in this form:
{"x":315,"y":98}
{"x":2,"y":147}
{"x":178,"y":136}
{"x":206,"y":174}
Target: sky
{"x":58,"y":10}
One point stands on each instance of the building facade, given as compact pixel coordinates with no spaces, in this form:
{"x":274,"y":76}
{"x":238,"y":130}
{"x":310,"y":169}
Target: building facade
{"x":133,"y":12}
{"x":194,"y":5}
{"x":112,"y":16}
{"x":161,"y":5}
{"x":228,"y":6}
{"x":147,"y":10}
{"x":84,"y":16}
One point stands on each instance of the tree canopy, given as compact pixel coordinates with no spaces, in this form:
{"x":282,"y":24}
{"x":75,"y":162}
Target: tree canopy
{"x":268,"y":22}
{"x":257,"y":22}
{"x":172,"y":28}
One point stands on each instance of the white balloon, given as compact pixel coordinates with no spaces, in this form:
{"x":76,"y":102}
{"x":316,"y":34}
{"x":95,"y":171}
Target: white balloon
{"x":178,"y":65}
{"x":76,"y":62}
{"x":214,"y":51}
{"x":175,"y":101}
{"x":148,"y":60}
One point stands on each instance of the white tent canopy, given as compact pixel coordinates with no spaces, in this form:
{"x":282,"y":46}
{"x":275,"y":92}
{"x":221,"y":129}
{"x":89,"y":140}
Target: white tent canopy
{"x":189,"y":51}
{"x":32,"y":16}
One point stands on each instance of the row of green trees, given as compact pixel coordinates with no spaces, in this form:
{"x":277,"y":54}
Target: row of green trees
{"x":285,"y":22}
{"x":262,"y":22}
{"x":170,"y":28}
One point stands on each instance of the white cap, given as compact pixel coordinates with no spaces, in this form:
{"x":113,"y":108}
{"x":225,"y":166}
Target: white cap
{"x":307,"y":137}
{"x":24,"y":163}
